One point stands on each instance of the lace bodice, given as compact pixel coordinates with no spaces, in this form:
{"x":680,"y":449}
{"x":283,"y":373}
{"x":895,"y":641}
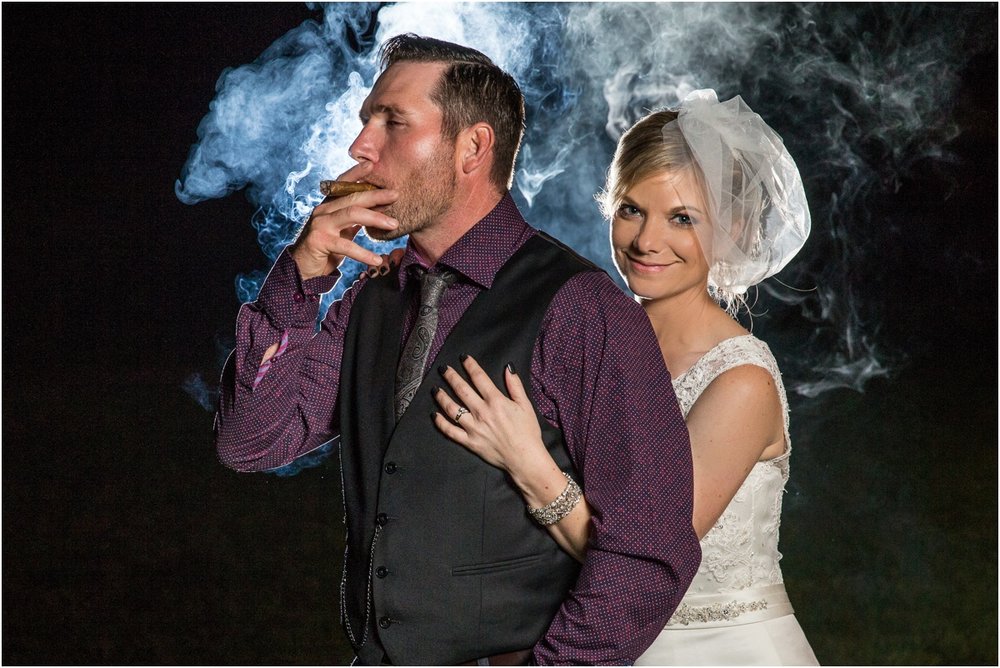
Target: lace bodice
{"x":741,"y":550}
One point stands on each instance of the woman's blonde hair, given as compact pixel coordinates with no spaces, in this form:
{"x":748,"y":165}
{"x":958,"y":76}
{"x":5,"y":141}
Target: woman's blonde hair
{"x":655,"y":144}
{"x":644,"y":150}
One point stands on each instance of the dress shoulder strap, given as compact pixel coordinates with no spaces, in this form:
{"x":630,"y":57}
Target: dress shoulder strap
{"x":729,"y":354}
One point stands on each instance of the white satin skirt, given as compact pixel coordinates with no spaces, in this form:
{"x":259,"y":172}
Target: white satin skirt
{"x":723,"y":630}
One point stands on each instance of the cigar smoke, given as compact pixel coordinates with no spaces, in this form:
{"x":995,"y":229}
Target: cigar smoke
{"x":860,"y":93}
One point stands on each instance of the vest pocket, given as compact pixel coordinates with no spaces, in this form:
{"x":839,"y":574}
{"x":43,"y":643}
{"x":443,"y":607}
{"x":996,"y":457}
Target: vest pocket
{"x":495,"y":566}
{"x":511,"y":601}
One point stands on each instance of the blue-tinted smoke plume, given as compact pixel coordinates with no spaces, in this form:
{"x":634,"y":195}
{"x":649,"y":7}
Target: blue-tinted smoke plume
{"x":860,"y":93}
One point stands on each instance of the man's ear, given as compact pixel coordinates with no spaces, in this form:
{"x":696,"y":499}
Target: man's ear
{"x":475,"y":148}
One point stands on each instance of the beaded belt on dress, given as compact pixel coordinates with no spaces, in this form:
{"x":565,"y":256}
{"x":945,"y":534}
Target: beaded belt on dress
{"x":703,"y":611}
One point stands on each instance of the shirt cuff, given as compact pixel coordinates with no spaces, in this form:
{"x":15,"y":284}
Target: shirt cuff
{"x":289,"y":301}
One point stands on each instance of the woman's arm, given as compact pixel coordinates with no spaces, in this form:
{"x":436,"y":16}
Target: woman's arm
{"x":505,"y":433}
{"x":736,"y":422}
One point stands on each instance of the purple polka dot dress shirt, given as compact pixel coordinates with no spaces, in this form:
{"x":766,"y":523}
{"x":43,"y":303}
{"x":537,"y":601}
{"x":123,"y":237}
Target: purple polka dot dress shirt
{"x":597,"y":373}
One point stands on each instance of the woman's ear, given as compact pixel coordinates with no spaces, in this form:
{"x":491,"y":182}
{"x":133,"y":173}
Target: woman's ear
{"x":475,"y":148}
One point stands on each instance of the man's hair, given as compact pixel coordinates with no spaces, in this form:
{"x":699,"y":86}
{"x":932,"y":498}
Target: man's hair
{"x":472,"y":89}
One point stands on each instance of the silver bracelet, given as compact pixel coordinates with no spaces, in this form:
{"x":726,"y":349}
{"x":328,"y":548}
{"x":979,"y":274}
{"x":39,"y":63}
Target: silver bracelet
{"x":562,"y":506}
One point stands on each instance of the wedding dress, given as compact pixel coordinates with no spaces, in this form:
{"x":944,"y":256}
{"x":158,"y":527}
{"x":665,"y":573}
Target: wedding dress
{"x":736,"y":611}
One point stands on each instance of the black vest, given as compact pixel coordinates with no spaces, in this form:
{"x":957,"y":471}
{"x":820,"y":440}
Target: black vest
{"x":443,"y":563}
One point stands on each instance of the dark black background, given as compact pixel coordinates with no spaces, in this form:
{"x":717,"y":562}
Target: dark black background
{"x":125,"y":542}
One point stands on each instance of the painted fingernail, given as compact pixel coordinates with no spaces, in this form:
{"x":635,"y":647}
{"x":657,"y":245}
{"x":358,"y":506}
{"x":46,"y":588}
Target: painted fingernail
{"x":435,"y":390}
{"x":510,"y":367}
{"x":383,"y":270}
{"x":442,"y":370}
{"x":462,"y":358}
{"x":434,"y":416}
{"x":372,"y":272}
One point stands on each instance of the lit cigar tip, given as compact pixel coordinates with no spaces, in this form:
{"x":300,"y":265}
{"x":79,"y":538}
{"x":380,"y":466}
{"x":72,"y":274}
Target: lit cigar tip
{"x":341,"y":188}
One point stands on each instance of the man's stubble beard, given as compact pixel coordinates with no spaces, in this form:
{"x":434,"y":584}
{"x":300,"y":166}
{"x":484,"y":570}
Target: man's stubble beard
{"x":425,"y":195}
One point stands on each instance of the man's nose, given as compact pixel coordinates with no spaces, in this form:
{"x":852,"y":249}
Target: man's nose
{"x":364,"y":146}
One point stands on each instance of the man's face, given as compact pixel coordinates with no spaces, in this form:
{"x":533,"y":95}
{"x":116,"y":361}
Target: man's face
{"x":402,"y":140}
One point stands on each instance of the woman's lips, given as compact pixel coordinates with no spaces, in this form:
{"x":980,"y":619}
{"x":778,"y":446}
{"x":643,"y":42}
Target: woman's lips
{"x":644,"y":268}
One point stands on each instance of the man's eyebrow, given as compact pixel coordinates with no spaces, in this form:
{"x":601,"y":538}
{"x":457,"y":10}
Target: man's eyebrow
{"x":381,"y":109}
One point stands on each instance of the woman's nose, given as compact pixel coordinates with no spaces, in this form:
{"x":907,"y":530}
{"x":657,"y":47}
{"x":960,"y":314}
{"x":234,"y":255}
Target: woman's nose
{"x":648,"y":239}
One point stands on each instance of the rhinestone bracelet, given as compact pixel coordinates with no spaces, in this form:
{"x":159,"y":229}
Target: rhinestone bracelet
{"x":562,"y":506}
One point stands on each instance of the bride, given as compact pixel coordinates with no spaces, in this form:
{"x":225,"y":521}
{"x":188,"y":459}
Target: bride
{"x":704,"y":202}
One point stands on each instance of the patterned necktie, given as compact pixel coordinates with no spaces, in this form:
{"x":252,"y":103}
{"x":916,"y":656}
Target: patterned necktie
{"x":410,"y":372}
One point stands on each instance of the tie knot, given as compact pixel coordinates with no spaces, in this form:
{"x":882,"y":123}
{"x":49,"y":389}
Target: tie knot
{"x":432,"y":286}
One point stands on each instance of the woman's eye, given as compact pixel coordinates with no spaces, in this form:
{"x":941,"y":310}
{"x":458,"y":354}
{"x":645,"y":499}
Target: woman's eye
{"x":628,"y":211}
{"x":683,"y":219}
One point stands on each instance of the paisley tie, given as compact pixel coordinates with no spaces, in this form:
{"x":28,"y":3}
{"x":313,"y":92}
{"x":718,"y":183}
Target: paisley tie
{"x":410,"y":371}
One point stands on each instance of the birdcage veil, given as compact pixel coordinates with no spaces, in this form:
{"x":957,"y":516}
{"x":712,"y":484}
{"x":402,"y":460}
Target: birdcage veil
{"x":754,"y":192}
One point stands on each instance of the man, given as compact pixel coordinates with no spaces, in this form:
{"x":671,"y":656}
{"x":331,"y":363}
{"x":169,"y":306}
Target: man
{"x":443,"y":563}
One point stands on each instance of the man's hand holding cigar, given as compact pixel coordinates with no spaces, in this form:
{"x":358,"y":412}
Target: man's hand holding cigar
{"x":328,"y":237}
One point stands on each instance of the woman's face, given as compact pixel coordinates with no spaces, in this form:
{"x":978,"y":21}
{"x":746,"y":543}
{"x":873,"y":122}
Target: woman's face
{"x":659,"y":233}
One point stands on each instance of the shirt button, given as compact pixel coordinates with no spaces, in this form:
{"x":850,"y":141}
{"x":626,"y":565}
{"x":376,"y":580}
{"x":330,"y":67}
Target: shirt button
{"x":381,"y":519}
{"x":381,"y":572}
{"x":384,"y":622}
{"x":298,"y":298}
{"x":390,"y":468}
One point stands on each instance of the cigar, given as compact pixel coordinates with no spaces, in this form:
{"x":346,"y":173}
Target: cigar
{"x":341,"y":188}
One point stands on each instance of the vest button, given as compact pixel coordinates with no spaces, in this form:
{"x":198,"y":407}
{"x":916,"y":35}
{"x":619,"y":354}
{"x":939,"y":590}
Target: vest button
{"x":381,"y":519}
{"x":381,"y":572}
{"x":384,"y":622}
{"x":390,"y":468}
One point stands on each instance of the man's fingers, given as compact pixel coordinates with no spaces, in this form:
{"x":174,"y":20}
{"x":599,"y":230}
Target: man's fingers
{"x":347,"y":248}
{"x":327,"y":228}
{"x":340,"y":215}
{"x":350,"y":232}
{"x":369,"y":198}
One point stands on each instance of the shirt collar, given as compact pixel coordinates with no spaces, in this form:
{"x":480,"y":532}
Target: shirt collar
{"x":480,"y":253}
